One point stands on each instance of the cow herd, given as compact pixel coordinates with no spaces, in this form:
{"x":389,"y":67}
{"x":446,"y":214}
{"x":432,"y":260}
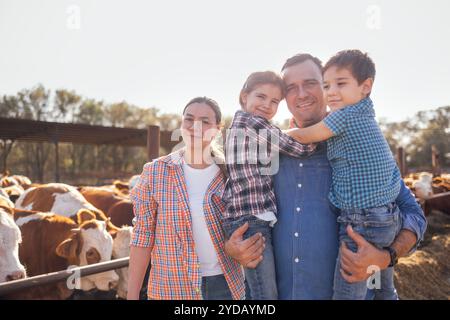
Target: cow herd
{"x":51,"y":227}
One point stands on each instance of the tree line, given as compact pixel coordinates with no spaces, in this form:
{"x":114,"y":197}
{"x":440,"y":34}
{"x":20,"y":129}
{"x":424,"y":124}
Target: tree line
{"x":97,"y":164}
{"x":79,"y":164}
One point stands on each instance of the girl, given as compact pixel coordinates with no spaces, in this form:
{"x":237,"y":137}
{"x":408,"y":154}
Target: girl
{"x":178,"y":205}
{"x":249,"y":193}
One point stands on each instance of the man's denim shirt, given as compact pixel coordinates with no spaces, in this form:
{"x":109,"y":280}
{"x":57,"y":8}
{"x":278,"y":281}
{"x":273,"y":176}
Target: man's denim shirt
{"x":305,"y":238}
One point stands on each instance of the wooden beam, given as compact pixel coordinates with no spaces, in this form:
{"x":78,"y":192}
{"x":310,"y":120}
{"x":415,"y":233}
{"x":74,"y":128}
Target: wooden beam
{"x":152,"y":142}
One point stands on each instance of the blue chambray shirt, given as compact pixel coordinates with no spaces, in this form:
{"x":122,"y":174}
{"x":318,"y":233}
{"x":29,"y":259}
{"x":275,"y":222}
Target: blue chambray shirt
{"x":365,"y":174}
{"x":305,"y":238}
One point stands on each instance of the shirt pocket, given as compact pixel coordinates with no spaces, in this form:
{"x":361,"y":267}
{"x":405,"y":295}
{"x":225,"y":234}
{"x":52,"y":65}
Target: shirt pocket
{"x":317,"y":181}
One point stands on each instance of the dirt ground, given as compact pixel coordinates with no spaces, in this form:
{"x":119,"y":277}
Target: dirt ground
{"x":426,"y":273}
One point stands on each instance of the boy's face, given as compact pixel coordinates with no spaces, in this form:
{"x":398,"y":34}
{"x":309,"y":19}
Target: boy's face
{"x":341,"y":89}
{"x":263,"y":100}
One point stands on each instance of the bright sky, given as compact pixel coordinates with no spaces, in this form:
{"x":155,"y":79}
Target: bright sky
{"x":163,"y":53}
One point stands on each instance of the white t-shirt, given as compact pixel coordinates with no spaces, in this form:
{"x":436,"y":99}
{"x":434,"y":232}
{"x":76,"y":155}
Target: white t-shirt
{"x":197,"y":182}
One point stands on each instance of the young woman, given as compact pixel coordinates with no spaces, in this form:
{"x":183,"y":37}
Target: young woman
{"x":178,"y":207}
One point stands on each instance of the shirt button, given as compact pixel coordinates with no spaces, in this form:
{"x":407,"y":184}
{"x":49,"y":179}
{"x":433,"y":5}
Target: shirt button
{"x":298,"y":209}
{"x":296,"y":260}
{"x":296,"y":234}
{"x":301,"y":164}
{"x":299,"y":185}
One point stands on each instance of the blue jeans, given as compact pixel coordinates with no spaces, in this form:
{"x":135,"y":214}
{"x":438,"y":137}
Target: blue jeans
{"x":378,"y":226}
{"x":261,"y":280}
{"x":215,"y":288}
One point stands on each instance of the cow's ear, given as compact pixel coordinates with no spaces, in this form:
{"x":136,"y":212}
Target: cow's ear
{"x":84,"y":215}
{"x":111,"y":228}
{"x":68,"y":248}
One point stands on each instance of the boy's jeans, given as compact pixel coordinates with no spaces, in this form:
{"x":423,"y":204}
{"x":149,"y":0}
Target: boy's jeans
{"x":378,"y":226}
{"x":261,"y":280}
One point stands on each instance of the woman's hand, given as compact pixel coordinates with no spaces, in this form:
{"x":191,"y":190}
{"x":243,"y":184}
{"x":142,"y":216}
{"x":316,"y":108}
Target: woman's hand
{"x":247,"y":252}
{"x":139,"y":260}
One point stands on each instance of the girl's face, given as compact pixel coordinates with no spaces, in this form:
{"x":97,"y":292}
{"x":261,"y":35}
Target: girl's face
{"x":198,"y":125}
{"x":263,"y":100}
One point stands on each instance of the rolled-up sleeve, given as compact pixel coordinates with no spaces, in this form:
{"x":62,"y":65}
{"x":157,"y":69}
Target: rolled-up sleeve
{"x":285,"y":143}
{"x":413,"y":218}
{"x":144,"y":207}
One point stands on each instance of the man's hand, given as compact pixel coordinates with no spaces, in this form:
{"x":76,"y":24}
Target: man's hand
{"x":247,"y":252}
{"x":354,"y":265}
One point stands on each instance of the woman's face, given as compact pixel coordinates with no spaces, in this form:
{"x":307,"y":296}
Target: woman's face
{"x":198,"y":125}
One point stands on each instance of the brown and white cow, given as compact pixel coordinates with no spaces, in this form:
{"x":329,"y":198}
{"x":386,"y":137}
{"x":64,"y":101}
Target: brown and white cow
{"x":13,"y":192}
{"x":10,"y":237}
{"x":121,"y":249}
{"x":52,"y":242}
{"x":6,"y":181}
{"x":118,"y":208}
{"x":5,"y":195}
{"x":120,"y":211}
{"x":119,"y":188}
{"x":59,"y":198}
{"x":67,"y":201}
{"x":133,"y":181}
{"x":62,"y":199}
{"x":23,"y":181}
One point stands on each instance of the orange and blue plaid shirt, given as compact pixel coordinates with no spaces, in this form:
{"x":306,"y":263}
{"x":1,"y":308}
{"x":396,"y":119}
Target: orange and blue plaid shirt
{"x":163,"y":224}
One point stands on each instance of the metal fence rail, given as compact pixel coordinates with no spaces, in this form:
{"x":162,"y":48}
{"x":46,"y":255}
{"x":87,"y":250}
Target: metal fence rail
{"x":11,"y":286}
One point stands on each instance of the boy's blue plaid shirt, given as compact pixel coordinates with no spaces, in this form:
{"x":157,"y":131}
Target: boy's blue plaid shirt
{"x":365,"y":174}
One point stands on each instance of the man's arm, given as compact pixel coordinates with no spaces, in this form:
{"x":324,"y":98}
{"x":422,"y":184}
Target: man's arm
{"x":354,"y":265}
{"x":247,"y":252}
{"x":413,"y":218}
{"x":286,"y":144}
{"x":316,"y":133}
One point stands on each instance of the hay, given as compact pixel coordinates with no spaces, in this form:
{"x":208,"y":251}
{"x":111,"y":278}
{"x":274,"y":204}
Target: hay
{"x":426,"y":273}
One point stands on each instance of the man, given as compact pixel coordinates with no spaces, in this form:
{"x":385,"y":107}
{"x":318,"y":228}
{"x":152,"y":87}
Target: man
{"x":305,"y":237}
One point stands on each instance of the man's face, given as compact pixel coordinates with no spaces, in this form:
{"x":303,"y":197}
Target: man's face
{"x":304,"y":93}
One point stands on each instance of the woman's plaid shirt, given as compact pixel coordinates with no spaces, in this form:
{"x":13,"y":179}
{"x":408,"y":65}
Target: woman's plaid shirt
{"x":164,"y":225}
{"x":252,"y":156}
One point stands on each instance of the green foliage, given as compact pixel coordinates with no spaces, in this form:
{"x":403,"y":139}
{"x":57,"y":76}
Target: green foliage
{"x":418,"y":134}
{"x":78,"y":164}
{"x":91,"y":164}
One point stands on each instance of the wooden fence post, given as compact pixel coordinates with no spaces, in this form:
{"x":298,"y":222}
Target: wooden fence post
{"x":436,"y":166}
{"x":152,"y":142}
{"x":401,"y":161}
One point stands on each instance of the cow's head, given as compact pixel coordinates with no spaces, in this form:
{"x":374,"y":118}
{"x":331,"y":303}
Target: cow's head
{"x":88,"y":244}
{"x":422,"y":189}
{"x":14,"y":192}
{"x":121,"y":249}
{"x":10,"y":237}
